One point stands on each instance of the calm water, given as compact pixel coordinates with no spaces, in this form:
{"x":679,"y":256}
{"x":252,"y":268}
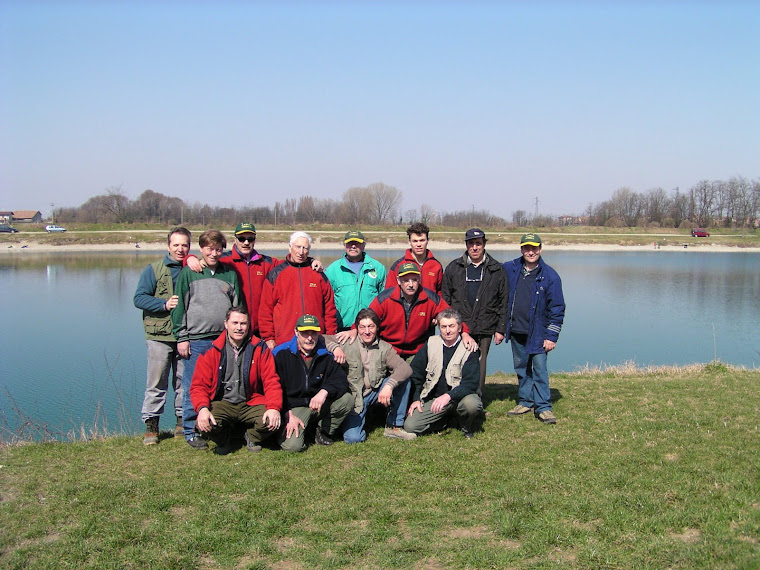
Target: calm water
{"x":73,"y":351}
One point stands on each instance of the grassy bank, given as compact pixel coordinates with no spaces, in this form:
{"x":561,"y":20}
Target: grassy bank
{"x":652,"y":469}
{"x":100,"y":234}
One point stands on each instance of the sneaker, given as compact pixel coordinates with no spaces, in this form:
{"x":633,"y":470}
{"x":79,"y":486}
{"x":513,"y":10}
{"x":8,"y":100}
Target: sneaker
{"x":251,"y":446}
{"x":151,"y":432}
{"x":547,"y":417}
{"x":196,"y":442}
{"x":322,"y":438}
{"x":178,"y":430}
{"x":399,"y":433}
{"x":518,"y":410}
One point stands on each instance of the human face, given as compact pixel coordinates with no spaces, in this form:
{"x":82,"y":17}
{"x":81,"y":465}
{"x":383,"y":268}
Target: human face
{"x":211,"y":254}
{"x":476,"y":249}
{"x":449,"y":330}
{"x":245,"y":243}
{"x":367,"y":331}
{"x":307,"y":341}
{"x":409,"y":284}
{"x":354,"y":250}
{"x":530,"y":254}
{"x":299,"y":251}
{"x":418,"y":244}
{"x":179,"y":247}
{"x":236,"y":326}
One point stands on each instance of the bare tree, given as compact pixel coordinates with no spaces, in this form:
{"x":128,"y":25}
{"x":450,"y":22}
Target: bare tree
{"x":385,"y":202}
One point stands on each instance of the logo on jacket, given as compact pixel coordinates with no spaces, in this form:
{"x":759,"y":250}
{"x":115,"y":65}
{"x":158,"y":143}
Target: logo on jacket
{"x":421,"y":314}
{"x":312,"y":284}
{"x":259,"y":273}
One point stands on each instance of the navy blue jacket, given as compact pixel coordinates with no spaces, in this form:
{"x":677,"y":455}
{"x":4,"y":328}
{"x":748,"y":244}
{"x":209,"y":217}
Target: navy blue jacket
{"x":547,"y":309}
{"x":301,"y":382}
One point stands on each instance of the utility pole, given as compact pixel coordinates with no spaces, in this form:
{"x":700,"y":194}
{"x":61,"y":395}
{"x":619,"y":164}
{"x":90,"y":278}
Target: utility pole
{"x":52,"y":213}
{"x":535,"y":214}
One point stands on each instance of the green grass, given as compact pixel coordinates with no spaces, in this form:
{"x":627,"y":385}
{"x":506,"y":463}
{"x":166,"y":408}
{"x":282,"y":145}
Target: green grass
{"x":644,"y":469}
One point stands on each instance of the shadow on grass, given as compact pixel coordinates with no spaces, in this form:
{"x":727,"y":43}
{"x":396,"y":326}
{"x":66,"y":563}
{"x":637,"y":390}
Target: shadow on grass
{"x":508,"y":392}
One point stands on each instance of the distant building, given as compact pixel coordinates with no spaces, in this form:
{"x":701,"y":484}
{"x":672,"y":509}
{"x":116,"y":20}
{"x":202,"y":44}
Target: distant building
{"x":5,"y":217}
{"x":26,"y":216}
{"x":572,"y":220}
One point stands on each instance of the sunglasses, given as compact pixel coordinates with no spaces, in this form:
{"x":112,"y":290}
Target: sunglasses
{"x":246,"y":239}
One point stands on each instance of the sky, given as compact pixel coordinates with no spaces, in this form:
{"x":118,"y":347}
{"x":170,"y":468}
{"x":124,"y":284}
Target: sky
{"x":491,"y":105}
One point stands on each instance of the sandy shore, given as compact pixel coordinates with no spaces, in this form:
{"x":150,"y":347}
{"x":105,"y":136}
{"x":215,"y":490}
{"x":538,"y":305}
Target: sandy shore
{"x":30,"y":246}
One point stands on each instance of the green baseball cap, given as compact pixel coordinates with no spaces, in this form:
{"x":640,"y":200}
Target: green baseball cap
{"x":353,"y":235}
{"x":245,"y":228}
{"x":530,"y":239}
{"x":308,"y":323}
{"x":408,"y":267}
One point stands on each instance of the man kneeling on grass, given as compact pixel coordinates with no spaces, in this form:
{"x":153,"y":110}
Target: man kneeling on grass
{"x":235,"y":387}
{"x":445,"y":380}
{"x":315,"y":389}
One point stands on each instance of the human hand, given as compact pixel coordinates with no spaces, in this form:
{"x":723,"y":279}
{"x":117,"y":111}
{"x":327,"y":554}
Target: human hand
{"x":339,"y":355}
{"x":317,"y":401}
{"x":184,"y":349}
{"x":439,"y":403}
{"x":384,"y":396}
{"x":205,"y":420}
{"x":293,"y":425}
{"x":272,"y":420}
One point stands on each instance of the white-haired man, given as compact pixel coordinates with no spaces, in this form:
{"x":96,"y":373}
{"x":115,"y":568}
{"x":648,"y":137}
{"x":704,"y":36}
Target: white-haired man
{"x":293,"y":289}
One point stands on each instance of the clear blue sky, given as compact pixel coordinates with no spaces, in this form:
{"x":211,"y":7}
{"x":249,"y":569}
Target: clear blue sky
{"x":454,"y":103}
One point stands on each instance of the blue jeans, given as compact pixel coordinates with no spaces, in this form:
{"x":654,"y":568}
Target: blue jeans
{"x":197,"y":347}
{"x":532,"y":376}
{"x":354,"y":424}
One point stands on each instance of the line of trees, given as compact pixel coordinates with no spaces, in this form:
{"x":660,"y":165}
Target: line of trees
{"x":372,"y":205}
{"x":727,"y":203}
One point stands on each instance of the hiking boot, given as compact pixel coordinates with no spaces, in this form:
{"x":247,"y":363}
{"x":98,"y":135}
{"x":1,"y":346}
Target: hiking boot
{"x":151,"y":432}
{"x":251,"y":446}
{"x":197,"y":442}
{"x":322,"y":438}
{"x":547,"y":417}
{"x":178,"y":430}
{"x":518,"y":410}
{"x":397,"y":432}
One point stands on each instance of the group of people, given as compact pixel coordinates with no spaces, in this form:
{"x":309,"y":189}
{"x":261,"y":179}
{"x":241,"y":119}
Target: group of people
{"x":257,"y":348}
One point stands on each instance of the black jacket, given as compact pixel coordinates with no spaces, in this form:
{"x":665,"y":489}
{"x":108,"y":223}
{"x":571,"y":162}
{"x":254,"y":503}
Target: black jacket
{"x":489,"y":315}
{"x":301,"y":383}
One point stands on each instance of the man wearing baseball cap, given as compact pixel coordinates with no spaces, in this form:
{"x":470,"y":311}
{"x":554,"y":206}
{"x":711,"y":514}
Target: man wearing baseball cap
{"x":408,"y":315}
{"x":476,"y":286}
{"x":535,"y":312}
{"x":356,"y":279}
{"x":251,"y":267}
{"x":316,"y":395}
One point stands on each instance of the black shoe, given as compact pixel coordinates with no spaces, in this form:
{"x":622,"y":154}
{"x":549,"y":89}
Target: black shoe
{"x":468,"y":435}
{"x":223,"y":449}
{"x":322,"y":438}
{"x":196,"y":442}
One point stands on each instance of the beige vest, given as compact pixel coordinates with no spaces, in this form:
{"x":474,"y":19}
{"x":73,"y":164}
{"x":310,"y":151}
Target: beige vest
{"x":435,"y":365}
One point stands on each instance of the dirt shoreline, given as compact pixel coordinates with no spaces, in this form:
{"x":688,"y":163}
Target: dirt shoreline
{"x":26,"y":247}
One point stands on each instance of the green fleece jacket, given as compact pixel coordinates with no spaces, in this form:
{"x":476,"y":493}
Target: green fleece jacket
{"x":203,"y":301}
{"x":354,"y":293}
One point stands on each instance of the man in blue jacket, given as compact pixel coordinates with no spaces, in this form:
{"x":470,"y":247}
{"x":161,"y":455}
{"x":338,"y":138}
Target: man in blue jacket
{"x":155,"y":296}
{"x":535,"y":314}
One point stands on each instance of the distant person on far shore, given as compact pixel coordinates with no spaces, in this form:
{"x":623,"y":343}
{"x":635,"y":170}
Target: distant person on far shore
{"x":535,"y":312}
{"x":356,"y":279}
{"x":198,"y":318}
{"x":431,"y":270}
{"x":155,"y":296}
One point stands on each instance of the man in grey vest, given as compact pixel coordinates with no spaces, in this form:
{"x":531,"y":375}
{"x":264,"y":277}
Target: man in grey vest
{"x":445,"y":379}
{"x":155,"y":296}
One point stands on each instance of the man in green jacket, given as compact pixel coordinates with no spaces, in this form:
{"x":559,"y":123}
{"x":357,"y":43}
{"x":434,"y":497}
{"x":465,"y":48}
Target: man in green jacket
{"x":356,"y":279}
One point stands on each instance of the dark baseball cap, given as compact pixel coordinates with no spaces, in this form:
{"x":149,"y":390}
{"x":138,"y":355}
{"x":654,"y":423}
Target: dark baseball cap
{"x":308,"y":323}
{"x":408,"y":267}
{"x":530,"y":239}
{"x":473,"y":233}
{"x":245,"y":228}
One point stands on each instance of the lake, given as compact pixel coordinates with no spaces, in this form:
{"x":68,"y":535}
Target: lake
{"x":73,"y":350}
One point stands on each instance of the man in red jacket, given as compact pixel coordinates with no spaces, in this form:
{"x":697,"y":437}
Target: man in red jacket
{"x":251,"y":266}
{"x":293,"y":289}
{"x":431,"y":270}
{"x":235,"y":384}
